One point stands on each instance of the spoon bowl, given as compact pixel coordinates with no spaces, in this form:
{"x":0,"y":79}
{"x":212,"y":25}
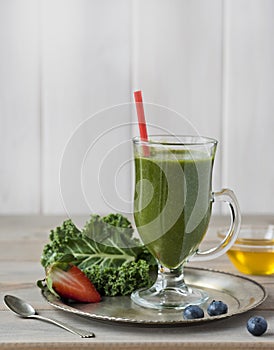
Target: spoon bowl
{"x":19,"y":306}
{"x":24,"y":309}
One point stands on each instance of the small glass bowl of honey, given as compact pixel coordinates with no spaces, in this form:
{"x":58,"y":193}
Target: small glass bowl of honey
{"x":253,"y":251}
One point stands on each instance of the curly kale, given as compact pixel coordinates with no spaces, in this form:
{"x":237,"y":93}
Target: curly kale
{"x":121,"y":280}
{"x":106,"y":251}
{"x":60,"y":240}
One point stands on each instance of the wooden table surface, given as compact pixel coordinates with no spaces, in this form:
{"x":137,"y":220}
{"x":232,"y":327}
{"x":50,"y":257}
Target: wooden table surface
{"x":21,"y":243}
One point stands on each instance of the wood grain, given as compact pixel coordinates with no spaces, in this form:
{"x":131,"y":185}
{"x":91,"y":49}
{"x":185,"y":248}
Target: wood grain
{"x":19,"y":276}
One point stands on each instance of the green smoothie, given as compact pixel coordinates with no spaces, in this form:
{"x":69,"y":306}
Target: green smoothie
{"x":172,"y":204}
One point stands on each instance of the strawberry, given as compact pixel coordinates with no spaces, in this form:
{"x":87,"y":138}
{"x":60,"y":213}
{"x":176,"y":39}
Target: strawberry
{"x":69,"y":282}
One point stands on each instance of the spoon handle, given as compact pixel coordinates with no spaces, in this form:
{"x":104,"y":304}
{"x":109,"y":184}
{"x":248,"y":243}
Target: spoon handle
{"x":71,"y":329}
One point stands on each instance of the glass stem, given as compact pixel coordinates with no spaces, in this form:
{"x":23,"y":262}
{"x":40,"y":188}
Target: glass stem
{"x":172,"y":278}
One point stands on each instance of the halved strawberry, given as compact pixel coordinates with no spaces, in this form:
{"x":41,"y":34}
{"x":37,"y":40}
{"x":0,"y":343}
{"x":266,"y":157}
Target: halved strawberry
{"x":69,"y":282}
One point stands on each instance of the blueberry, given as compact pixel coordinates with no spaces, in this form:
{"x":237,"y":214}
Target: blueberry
{"x":216,"y":308}
{"x":193,"y":311}
{"x":256,"y":325}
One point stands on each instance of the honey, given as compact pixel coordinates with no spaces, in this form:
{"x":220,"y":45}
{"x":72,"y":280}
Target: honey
{"x":253,"y":251}
{"x":253,"y":262}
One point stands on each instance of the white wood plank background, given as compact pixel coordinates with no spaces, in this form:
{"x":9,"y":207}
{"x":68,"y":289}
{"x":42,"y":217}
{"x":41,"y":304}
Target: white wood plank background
{"x":19,"y":107}
{"x":249,"y":105}
{"x":86,"y":68}
{"x":61,"y":61}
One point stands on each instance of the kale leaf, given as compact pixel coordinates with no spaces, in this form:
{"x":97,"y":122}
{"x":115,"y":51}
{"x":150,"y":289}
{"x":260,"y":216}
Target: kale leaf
{"x":106,"y":251}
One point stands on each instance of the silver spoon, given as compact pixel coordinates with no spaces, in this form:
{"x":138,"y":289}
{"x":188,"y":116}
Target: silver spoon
{"x":23,"y":309}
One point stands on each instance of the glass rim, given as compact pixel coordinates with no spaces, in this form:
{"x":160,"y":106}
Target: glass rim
{"x":164,"y":139}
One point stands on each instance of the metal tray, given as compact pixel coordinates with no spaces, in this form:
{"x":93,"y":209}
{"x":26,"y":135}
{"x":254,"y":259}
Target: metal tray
{"x":239,"y":293}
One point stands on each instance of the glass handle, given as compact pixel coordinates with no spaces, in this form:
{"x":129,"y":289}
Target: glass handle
{"x":229,"y":197}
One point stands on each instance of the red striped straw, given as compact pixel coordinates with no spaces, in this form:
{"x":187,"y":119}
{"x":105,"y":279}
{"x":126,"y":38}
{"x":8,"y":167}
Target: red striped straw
{"x":141,"y":118}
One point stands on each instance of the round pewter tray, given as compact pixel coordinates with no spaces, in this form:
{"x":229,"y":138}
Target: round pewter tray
{"x":239,"y":293}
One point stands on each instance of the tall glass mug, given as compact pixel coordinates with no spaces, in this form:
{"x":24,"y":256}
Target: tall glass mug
{"x":172,"y":209}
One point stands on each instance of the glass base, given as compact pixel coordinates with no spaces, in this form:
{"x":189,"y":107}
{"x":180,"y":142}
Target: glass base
{"x":168,"y":298}
{"x":169,"y":292}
